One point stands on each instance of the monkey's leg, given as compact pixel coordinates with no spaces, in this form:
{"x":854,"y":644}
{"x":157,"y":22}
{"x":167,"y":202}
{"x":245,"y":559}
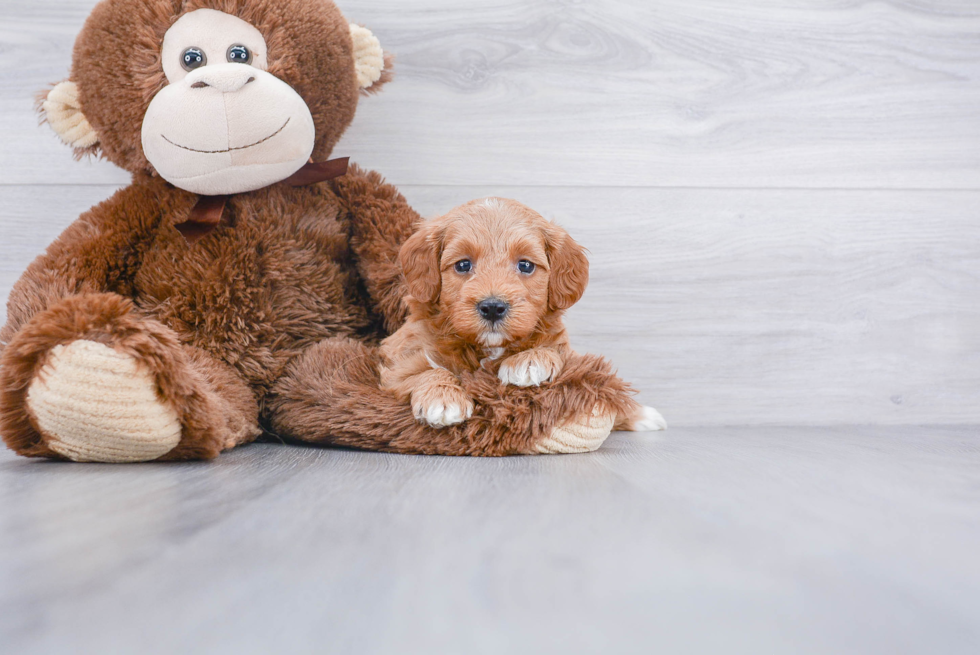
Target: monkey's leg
{"x":330,"y":395}
{"x":90,"y":380}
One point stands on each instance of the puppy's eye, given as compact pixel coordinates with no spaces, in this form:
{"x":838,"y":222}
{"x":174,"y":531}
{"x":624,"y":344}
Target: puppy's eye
{"x":526,"y":267}
{"x":193,"y":58}
{"x":464,"y":266}
{"x":239,"y":54}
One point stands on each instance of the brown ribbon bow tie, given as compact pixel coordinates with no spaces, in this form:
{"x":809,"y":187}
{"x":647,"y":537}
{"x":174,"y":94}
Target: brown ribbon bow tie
{"x":209,"y":211}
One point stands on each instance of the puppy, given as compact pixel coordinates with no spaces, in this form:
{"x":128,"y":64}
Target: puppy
{"x":488,"y":285}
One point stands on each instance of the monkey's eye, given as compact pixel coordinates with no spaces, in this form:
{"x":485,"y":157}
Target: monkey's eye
{"x":526,"y":267}
{"x":239,"y":54}
{"x":463,"y":266}
{"x":193,"y":58}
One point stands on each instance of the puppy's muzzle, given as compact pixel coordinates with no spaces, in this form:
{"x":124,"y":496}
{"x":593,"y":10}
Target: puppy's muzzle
{"x":493,"y":310}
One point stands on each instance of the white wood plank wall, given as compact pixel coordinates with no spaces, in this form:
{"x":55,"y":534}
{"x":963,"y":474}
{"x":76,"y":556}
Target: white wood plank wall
{"x":782,"y":199}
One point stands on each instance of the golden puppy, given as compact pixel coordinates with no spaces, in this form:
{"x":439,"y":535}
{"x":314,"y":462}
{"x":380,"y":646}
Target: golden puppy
{"x":488,"y":284}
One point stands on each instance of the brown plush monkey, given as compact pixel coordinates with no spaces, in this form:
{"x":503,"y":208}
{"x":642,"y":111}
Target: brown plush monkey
{"x":236,"y":286}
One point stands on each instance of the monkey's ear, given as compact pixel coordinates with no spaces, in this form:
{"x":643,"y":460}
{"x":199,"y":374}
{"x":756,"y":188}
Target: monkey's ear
{"x":60,"y":109}
{"x":372,"y":63}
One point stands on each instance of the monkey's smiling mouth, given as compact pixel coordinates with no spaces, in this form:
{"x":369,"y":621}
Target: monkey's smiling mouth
{"x":216,"y":152}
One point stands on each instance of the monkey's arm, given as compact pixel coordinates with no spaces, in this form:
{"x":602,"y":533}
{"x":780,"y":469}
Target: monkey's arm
{"x":98,"y":253}
{"x":381,"y":221}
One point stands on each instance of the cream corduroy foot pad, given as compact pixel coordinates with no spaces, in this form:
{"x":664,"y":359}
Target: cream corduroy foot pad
{"x":578,"y":437}
{"x":98,"y":405}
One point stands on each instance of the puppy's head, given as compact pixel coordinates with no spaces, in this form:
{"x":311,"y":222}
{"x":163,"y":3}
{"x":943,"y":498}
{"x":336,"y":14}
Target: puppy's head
{"x":494,"y":269}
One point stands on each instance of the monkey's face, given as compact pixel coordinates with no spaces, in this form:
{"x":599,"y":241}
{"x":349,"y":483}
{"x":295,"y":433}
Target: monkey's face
{"x":223,"y":124}
{"x":215,"y":96}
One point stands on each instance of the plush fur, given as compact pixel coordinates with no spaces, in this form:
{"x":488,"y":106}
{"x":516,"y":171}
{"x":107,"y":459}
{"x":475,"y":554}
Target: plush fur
{"x":333,"y":391}
{"x":268,"y":320}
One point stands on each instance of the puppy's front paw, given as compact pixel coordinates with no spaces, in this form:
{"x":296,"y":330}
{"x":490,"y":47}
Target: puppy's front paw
{"x":441,"y":407}
{"x":530,"y":368}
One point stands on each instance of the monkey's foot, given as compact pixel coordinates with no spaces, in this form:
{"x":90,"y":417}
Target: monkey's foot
{"x":95,"y":404}
{"x":582,"y":435}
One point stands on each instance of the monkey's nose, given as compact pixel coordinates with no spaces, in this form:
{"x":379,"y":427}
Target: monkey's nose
{"x":493,"y":309}
{"x":226,"y":78}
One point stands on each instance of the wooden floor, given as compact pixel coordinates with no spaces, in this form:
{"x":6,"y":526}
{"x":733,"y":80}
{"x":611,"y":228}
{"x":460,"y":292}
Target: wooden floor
{"x":711,"y":540}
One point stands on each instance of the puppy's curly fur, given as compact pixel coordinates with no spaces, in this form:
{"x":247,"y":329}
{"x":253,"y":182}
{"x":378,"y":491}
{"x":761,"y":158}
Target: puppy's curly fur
{"x":489,"y":283}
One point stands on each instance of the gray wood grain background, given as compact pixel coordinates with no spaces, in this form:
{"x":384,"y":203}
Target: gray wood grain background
{"x":782,"y":199}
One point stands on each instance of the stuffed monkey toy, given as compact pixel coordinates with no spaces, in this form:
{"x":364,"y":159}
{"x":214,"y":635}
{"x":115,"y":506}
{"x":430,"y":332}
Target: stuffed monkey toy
{"x":240,"y":284}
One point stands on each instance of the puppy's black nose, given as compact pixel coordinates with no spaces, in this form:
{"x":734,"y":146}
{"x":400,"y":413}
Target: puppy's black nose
{"x":492,"y":309}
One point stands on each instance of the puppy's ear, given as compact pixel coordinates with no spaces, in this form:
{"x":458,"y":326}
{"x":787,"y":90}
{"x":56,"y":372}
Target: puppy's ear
{"x":569,"y":269}
{"x":419,"y":260}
